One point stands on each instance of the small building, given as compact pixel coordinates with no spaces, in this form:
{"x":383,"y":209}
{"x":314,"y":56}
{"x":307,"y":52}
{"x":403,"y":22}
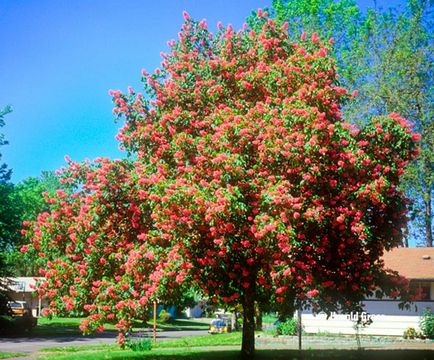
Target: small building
{"x":417,"y":265}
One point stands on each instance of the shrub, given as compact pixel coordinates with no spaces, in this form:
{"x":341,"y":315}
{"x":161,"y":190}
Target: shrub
{"x":410,"y":333}
{"x":165,"y":317}
{"x":6,"y":323}
{"x":427,"y":324}
{"x":239,"y":324}
{"x":138,"y":343}
{"x":288,"y":327}
{"x":17,"y":324}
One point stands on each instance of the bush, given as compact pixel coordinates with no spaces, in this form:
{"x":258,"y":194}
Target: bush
{"x":138,"y":343}
{"x":6,"y":323}
{"x":288,"y":327}
{"x":165,"y":317}
{"x":16,"y":324}
{"x":239,"y":323}
{"x":410,"y":333}
{"x":4,"y":309}
{"x":427,"y":324}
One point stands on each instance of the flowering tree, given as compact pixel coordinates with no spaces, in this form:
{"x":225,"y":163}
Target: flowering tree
{"x":245,"y":181}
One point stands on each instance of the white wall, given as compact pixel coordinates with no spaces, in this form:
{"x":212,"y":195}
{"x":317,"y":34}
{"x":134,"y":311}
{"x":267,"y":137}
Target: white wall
{"x":340,"y":324}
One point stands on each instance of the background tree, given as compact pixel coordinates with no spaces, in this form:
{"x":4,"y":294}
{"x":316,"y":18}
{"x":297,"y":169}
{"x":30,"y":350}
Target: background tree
{"x":388,"y":57}
{"x":4,"y":286}
{"x":29,"y":194}
{"x":245,"y":181}
{"x":395,"y":63}
{"x":5,"y":173}
{"x":9,"y":219}
{"x":27,"y":199}
{"x":6,"y":216}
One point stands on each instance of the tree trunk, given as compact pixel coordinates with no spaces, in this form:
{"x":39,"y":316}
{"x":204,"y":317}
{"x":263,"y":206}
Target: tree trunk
{"x":428,"y":219}
{"x":248,"y":342}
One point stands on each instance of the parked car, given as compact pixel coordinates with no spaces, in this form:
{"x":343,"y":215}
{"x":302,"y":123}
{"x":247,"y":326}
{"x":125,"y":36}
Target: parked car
{"x":19,"y":308}
{"x":220,"y":326}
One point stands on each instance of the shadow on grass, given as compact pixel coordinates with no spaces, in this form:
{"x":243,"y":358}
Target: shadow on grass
{"x":9,"y":355}
{"x":260,"y":355}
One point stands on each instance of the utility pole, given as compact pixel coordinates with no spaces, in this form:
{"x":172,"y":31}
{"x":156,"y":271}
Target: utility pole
{"x":299,"y":326}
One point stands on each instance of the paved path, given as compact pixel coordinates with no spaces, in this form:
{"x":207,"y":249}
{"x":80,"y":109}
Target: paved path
{"x":33,"y":344}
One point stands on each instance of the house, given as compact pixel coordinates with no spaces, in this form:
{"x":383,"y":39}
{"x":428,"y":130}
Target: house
{"x":417,"y":265}
{"x":23,"y":289}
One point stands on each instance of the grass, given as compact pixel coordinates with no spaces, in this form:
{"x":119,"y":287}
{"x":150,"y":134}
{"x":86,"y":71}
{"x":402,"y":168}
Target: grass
{"x":127,"y":354}
{"x":59,"y":321}
{"x":8,"y":355}
{"x":186,"y":342}
{"x":57,"y":327}
{"x":200,"y":341}
{"x":182,"y":354}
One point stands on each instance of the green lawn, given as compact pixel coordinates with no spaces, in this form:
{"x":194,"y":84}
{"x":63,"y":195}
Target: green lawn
{"x":182,"y":354}
{"x":69,"y":326}
{"x":200,"y":341}
{"x":186,"y":342}
{"x":153,"y":354}
{"x":57,"y":327}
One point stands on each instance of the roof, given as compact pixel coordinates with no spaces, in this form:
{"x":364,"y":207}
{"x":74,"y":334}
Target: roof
{"x":412,"y":263}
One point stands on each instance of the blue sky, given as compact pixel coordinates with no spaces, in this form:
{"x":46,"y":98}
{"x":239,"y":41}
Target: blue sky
{"x":59,"y":58}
